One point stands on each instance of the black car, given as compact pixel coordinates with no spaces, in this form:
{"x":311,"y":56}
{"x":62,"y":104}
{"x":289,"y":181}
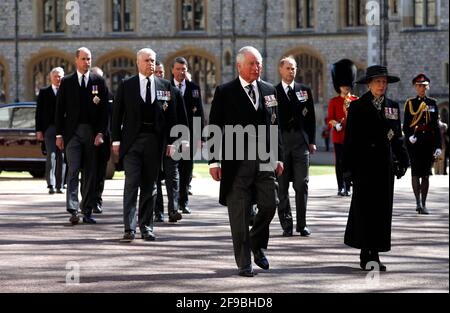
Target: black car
{"x":19,"y":149}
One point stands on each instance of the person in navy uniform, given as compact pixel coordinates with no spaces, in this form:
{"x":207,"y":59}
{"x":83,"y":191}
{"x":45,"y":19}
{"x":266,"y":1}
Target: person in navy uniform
{"x":298,"y":129}
{"x":247,"y":101}
{"x":194,"y":109}
{"x":144,"y":113}
{"x":422,"y":137}
{"x":373,"y":154}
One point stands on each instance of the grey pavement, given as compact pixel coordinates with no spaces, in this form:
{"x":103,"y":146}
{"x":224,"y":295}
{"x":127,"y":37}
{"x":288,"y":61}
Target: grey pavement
{"x":40,"y":250}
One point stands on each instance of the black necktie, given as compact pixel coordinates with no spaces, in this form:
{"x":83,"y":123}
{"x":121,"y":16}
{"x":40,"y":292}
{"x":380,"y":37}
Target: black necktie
{"x":148,"y":92}
{"x":251,"y":93}
{"x":83,"y":83}
{"x":291,"y":94}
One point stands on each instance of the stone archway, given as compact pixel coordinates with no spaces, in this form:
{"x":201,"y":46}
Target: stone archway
{"x":116,"y":66}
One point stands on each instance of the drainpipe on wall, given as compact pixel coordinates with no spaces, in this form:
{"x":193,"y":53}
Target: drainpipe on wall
{"x":16,"y":53}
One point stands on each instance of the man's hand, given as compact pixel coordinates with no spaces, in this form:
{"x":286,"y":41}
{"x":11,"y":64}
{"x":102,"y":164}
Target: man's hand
{"x":280,"y":168}
{"x":115,"y":150}
{"x":170,"y":150}
{"x":39,"y":136}
{"x":98,"y":140}
{"x":412,"y":139}
{"x":312,"y":149}
{"x":216,"y":173}
{"x":60,"y":143}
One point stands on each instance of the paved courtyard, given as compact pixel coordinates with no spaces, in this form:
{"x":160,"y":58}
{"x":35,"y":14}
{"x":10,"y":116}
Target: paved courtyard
{"x":40,"y":250}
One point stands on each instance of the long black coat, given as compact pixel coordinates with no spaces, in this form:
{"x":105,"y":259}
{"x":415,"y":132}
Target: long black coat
{"x":373,"y":142}
{"x":45,"y":109}
{"x":231,"y":106}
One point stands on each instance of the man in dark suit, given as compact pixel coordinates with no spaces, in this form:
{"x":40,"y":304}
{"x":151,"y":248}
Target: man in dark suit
{"x":251,"y":103}
{"x":194,"y":109}
{"x":55,"y":167}
{"x":81,"y":121}
{"x":298,"y":128}
{"x":143,"y":115}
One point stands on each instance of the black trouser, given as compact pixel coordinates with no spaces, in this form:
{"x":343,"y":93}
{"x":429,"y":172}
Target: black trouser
{"x":172,"y":178}
{"x":142,"y":164}
{"x":104,"y":153}
{"x":339,"y":155}
{"x":80,"y":153}
{"x":250,"y":183}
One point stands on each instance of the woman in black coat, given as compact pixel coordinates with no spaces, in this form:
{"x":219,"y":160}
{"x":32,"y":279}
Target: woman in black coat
{"x":373,"y":155}
{"x":422,"y":137}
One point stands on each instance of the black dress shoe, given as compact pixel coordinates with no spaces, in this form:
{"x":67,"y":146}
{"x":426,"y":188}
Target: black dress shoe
{"x":304,"y":232}
{"x":148,"y":236}
{"x":185,"y":210}
{"x":287,"y":233}
{"x":424,"y":210}
{"x":128,"y":237}
{"x":98,"y":209}
{"x":247,"y":272}
{"x":59,"y":191}
{"x":260,"y":259}
{"x":89,"y":220}
{"x":51,"y":190}
{"x":341,"y":192}
{"x":348,"y":193}
{"x":158,"y":219}
{"x":175,"y":217}
{"x":74,"y":219}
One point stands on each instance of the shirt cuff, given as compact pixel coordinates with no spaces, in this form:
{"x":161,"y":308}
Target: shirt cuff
{"x":59,"y":136}
{"x":214,"y":165}
{"x":116,"y":143}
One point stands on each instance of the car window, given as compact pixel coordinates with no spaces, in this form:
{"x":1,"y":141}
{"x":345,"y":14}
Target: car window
{"x":23,"y":118}
{"x":5,"y":114}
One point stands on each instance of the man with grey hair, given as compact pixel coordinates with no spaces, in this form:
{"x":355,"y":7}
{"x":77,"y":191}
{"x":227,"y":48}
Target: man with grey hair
{"x":298,"y":128}
{"x":55,"y":167}
{"x":81,"y":120}
{"x":143,"y":115}
{"x":247,"y":101}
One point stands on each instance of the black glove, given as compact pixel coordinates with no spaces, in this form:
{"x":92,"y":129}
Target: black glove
{"x":399,"y":170}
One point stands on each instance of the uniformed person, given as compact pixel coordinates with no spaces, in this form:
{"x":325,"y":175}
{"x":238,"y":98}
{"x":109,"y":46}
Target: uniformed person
{"x":343,"y":74}
{"x":373,"y":154}
{"x":423,"y":138}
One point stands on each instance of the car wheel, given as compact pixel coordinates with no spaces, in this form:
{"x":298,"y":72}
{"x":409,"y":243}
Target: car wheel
{"x":110,"y":169}
{"x":38,"y":173}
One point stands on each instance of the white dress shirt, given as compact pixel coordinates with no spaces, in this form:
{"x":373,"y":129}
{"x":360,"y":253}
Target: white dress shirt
{"x":143,"y":86}
{"x":286,"y":87}
{"x":255,"y":89}
{"x":86,"y":78}
{"x":183,"y":85}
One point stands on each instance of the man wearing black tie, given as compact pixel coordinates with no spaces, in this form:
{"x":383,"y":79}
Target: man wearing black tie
{"x":143,"y":115}
{"x":81,"y":120}
{"x":298,"y":128}
{"x":251,"y":103}
{"x":194,"y":108}
{"x":55,"y":167}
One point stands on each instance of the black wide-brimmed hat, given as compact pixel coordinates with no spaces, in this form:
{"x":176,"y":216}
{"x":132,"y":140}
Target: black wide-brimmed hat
{"x":343,"y":73}
{"x":377,"y":71}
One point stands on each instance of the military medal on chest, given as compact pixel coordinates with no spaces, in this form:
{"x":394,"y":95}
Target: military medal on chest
{"x":390,"y":134}
{"x":96,"y":99}
{"x":305,"y":111}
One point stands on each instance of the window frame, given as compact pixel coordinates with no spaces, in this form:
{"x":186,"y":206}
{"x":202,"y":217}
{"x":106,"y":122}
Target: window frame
{"x":133,"y":16}
{"x":425,"y":11}
{"x":192,"y":22}
{"x":54,"y":17}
